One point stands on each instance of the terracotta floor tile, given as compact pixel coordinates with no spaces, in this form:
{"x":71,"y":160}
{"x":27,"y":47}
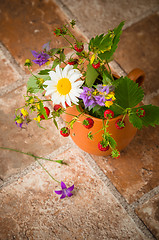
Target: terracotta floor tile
{"x":136,"y":171}
{"x":30,"y":208}
{"x":138,"y":47}
{"x":149,"y":214}
{"x":27,"y":25}
{"x":8,"y":73}
{"x":32,"y":139}
{"x":107,"y":14}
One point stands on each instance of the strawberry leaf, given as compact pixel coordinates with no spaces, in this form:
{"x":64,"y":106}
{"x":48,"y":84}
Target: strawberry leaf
{"x":91,"y":75}
{"x":116,"y":32}
{"x":135,"y":120}
{"x":151,"y":115}
{"x":127,"y":93}
{"x":112,"y":142}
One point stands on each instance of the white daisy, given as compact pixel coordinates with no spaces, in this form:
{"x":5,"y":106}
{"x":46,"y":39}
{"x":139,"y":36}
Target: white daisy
{"x":63,"y":86}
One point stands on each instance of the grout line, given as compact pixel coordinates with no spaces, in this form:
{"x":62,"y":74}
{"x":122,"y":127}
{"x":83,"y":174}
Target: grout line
{"x":128,"y":24}
{"x":141,"y":17}
{"x":33,"y":166}
{"x":145,"y":197}
{"x":129,"y":208}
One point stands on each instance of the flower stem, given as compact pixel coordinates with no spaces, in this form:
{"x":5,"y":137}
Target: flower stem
{"x":46,"y":170}
{"x":32,"y":155}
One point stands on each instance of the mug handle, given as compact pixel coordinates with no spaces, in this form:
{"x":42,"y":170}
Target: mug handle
{"x":137,"y":75}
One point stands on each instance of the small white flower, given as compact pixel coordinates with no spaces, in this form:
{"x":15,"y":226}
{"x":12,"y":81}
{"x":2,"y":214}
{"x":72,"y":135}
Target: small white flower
{"x":63,"y":86}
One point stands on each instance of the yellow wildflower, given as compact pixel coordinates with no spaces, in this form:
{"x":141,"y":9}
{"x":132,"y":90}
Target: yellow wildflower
{"x":108,"y":103}
{"x":37,"y":119}
{"x":92,"y":59}
{"x":111,"y":95}
{"x":24,"y":112}
{"x":19,"y":120}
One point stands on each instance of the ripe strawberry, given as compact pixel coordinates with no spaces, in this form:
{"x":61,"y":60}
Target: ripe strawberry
{"x":108,"y":114}
{"x":79,"y":49}
{"x":140,"y":112}
{"x":57,"y":107}
{"x":73,"y":62}
{"x":97,"y":65}
{"x":88,"y":123}
{"x":119,"y":124}
{"x":101,"y":146}
{"x":57,"y":31}
{"x":47,"y":112}
{"x":65,"y":132}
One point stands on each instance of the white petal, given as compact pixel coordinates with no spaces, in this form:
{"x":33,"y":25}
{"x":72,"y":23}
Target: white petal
{"x":58,"y":72}
{"x":48,"y":82}
{"x":53,"y":75}
{"x":66,"y":70}
{"x":77,"y":83}
{"x":72,"y":72}
{"x":49,"y":91}
{"x":74,"y":77}
{"x":63,"y":101}
{"x":68,"y":100}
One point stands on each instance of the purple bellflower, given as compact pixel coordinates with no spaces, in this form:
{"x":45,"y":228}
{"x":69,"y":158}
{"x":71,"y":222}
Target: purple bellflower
{"x":41,"y":57}
{"x":46,"y":46}
{"x":87,"y":97}
{"x":65,"y":192}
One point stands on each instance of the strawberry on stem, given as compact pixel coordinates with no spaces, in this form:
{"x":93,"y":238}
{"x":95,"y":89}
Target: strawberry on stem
{"x":47,"y":112}
{"x":120,"y":124}
{"x":97,"y":65}
{"x":79,"y":48}
{"x":88,"y":123}
{"x":102,"y":146}
{"x":140,"y":112}
{"x":65,"y":132}
{"x":108,"y":114}
{"x":57,"y":107}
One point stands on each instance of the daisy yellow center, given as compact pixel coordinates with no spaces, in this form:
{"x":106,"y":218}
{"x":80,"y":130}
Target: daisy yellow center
{"x":64,"y":86}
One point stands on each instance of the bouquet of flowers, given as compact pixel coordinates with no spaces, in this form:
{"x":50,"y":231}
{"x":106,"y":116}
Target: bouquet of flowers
{"x":84,"y":80}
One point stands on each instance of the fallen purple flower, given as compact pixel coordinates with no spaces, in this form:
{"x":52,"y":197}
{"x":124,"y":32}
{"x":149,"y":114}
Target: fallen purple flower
{"x":65,"y":192}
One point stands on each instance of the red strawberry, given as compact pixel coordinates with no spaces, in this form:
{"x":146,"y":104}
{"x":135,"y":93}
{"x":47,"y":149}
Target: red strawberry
{"x":97,"y":65}
{"x":101,"y":146}
{"x":108,"y":114}
{"x":79,"y":49}
{"x":140,"y":112}
{"x":57,"y":107}
{"x":57,"y":31}
{"x":88,"y":123}
{"x":47,"y":112}
{"x":73,"y":62}
{"x":119,"y":124}
{"x":65,"y":132}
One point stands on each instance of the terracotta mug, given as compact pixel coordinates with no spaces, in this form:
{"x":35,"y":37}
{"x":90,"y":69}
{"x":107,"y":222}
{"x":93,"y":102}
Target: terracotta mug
{"x":123,"y":137}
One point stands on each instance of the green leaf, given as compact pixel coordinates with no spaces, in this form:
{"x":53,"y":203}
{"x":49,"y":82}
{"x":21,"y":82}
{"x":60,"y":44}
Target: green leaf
{"x":107,"y":79}
{"x":55,"y":122}
{"x":151,"y":115}
{"x":127,"y":93}
{"x":42,"y":110}
{"x":112,"y":142}
{"x":116,"y":109}
{"x":44,"y":72}
{"x":135,"y":120}
{"x":62,"y":56}
{"x":91,"y":75}
{"x":32,"y":84}
{"x":55,"y":63}
{"x":78,"y":108}
{"x":117,"y":32}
